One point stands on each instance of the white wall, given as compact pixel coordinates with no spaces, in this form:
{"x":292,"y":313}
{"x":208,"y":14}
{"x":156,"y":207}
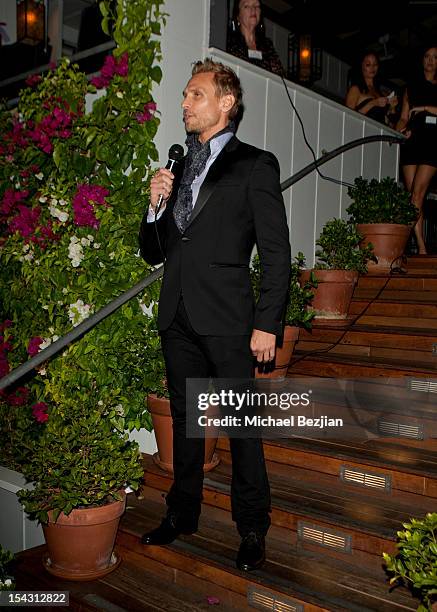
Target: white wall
{"x":8,"y":14}
{"x":269,"y":122}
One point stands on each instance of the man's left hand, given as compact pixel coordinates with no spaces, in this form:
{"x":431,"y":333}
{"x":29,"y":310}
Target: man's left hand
{"x":262,"y":345}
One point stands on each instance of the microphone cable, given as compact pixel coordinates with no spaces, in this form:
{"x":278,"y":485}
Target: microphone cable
{"x":323,"y":176}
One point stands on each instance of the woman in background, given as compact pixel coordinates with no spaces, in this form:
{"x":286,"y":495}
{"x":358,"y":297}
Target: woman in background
{"x":418,"y":122}
{"x":248,"y":40}
{"x":365,"y":94}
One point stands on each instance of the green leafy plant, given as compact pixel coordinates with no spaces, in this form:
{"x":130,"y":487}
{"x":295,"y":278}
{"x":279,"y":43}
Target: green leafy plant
{"x":339,"y":244}
{"x":298,"y":310}
{"x":154,"y":373}
{"x":381,"y":201}
{"x":416,"y":562}
{"x":6,"y":580}
{"x":75,"y":163}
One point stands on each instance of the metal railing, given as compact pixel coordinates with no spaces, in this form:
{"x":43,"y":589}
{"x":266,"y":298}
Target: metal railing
{"x":89,"y":323}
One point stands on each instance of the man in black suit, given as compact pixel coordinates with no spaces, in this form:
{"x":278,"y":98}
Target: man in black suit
{"x":227,"y":199}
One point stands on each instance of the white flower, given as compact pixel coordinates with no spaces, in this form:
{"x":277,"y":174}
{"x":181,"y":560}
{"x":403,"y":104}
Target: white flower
{"x":43,"y":199}
{"x":90,"y":238}
{"x":53,"y":201}
{"x":85,"y":242}
{"x":75,"y":252}
{"x":64,"y":290}
{"x":101,"y":264}
{"x":17,"y":185}
{"x":42,"y":371}
{"x":97,"y":245}
{"x":58,"y":214}
{"x":100,"y":403}
{"x":45,"y":343}
{"x":119,"y":94}
{"x":79,"y":311}
{"x":28,"y":257}
{"x":8,"y":582}
{"x":39,"y":176}
{"x":146,"y":310}
{"x":119,"y":410}
{"x":111,"y":255}
{"x":62,"y":202}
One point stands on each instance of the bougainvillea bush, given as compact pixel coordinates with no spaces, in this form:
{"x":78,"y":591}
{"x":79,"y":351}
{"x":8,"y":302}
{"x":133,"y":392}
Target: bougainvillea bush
{"x":75,"y":160}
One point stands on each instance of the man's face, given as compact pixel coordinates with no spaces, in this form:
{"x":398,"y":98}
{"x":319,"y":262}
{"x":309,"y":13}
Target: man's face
{"x":204,"y":113}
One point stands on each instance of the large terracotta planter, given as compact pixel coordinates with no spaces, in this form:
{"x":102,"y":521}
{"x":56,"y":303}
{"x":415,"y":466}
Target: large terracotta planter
{"x":159,"y":408}
{"x":389,"y":241}
{"x":284,"y":351}
{"x":80,"y":545}
{"x":333,"y":294}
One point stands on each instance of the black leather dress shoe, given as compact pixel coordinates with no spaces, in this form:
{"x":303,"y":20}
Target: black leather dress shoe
{"x":166,"y":533}
{"x":252,"y":552}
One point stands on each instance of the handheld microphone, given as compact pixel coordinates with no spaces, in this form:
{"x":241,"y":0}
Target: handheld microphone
{"x":175,"y":154}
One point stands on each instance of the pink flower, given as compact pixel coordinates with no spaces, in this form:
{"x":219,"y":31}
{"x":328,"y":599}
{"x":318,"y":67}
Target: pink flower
{"x":39,"y":412}
{"x":82,"y":204}
{"x":110,"y":68}
{"x":147,"y":114}
{"x":26,"y":221}
{"x":33,"y":347}
{"x":33,"y":80}
{"x":18,"y":397}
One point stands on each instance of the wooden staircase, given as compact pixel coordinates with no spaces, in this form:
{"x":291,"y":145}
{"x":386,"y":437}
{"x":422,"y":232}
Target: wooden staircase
{"x":336,"y":505}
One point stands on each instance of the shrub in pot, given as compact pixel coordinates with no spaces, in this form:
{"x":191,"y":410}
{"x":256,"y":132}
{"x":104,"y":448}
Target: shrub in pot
{"x":339,"y":261}
{"x":298,"y":314}
{"x":415,"y":564}
{"x":384,"y":214}
{"x":72,"y":192}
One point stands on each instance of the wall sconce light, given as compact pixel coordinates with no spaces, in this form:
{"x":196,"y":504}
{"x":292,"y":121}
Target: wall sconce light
{"x":304,"y":59}
{"x":30,"y":21}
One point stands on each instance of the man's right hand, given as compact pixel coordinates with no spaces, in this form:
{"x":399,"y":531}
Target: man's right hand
{"x":161,"y":184}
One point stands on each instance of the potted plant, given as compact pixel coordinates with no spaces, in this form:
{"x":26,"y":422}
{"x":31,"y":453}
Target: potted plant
{"x":384,"y":215}
{"x":415,"y":564}
{"x":339,"y":261}
{"x":72,"y":192}
{"x":158,"y":403}
{"x":298,"y":314}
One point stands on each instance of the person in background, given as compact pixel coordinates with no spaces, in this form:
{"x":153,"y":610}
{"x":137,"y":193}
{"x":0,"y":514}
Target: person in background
{"x":418,"y":121}
{"x":248,"y":40}
{"x":366,"y":94}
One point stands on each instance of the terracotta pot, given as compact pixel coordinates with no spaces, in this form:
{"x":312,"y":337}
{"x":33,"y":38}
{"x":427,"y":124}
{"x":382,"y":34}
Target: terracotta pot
{"x":389,"y":241}
{"x":159,"y":408}
{"x":284,"y":351}
{"x":80,"y":545}
{"x":334,"y":292}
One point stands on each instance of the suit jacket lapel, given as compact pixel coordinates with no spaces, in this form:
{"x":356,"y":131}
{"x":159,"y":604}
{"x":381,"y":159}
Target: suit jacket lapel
{"x":214,"y":173}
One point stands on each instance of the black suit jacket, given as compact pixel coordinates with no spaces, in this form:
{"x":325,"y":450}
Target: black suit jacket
{"x":239,"y":203}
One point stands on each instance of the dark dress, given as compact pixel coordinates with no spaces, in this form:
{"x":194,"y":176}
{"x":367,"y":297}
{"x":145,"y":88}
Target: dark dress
{"x":421,"y":146}
{"x":270,"y":60}
{"x":378,"y":113}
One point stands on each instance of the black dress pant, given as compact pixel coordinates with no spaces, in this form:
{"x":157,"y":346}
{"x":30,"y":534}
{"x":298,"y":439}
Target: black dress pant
{"x":189,"y":355}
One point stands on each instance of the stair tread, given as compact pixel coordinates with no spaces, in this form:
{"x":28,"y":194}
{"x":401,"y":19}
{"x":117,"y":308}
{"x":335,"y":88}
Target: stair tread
{"x":127,"y":588}
{"x":415,"y":366}
{"x":337,"y":504}
{"x":331,"y":584}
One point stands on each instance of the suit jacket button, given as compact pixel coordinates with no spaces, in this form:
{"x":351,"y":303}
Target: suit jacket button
{"x":185,"y":239}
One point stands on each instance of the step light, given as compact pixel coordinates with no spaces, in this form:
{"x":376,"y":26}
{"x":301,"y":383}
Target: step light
{"x":400,"y":430}
{"x":266,"y":600}
{"x":421,"y":384}
{"x":362,"y":478}
{"x":328,"y":538}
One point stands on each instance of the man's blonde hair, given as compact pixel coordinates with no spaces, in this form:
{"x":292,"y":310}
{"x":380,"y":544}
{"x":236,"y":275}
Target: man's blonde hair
{"x":225,"y":81}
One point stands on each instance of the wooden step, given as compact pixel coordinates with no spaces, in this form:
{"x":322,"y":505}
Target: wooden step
{"x":352,"y":366}
{"x":415,"y":310}
{"x":312,"y":580}
{"x":362,"y":518}
{"x":408,"y":282}
{"x":137,"y":584}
